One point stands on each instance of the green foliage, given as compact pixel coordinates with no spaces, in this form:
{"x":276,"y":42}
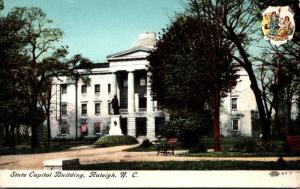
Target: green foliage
{"x":30,"y":57}
{"x":248,"y":145}
{"x":188,"y":128}
{"x":200,"y":148}
{"x":256,"y":124}
{"x":188,"y":64}
{"x":146,"y":143}
{"x":112,"y":140}
{"x":195,"y":165}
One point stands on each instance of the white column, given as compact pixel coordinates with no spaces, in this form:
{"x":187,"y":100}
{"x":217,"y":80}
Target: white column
{"x":136,"y":102}
{"x":151,"y":128}
{"x":131,"y":128}
{"x":130,"y":92}
{"x":114,"y":84}
{"x":149,"y":97}
{"x":150,"y":109}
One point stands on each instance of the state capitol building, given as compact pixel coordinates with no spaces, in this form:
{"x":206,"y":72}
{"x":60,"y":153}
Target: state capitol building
{"x":85,"y":110}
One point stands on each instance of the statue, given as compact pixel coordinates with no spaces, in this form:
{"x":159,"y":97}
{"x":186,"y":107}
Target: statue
{"x":115,"y":105}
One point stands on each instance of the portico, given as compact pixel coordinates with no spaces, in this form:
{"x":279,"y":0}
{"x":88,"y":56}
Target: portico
{"x":131,"y":84}
{"x":125,"y":75}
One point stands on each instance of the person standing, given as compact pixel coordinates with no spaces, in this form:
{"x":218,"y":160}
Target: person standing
{"x":273,"y":23}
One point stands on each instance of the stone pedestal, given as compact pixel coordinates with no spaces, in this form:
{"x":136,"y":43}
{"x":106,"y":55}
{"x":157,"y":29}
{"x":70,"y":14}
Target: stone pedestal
{"x":115,"y":127}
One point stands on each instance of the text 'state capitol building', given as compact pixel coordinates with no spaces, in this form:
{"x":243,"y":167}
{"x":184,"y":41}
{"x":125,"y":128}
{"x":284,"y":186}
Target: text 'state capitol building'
{"x":85,"y":110}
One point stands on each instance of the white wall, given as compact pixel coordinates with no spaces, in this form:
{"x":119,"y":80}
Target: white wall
{"x":245,"y":103}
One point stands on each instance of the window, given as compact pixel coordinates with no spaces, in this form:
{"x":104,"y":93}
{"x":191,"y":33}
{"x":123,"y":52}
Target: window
{"x":109,"y":88}
{"x":64,"y":109}
{"x":235,"y":124}
{"x":97,"y":88}
{"x":83,"y":88}
{"x":142,"y":82}
{"x":83,"y":109}
{"x":84,"y":129}
{"x":109,"y":108}
{"x":97,"y":108}
{"x":63,"y":88}
{"x":233,"y":103}
{"x":63,"y":127}
{"x":97,"y":128}
{"x":142,"y":102}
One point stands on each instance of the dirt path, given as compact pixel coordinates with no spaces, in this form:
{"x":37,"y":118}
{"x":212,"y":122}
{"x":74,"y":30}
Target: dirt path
{"x":89,"y":155}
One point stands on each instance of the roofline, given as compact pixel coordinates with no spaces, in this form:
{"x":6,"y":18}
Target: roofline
{"x":147,"y":49}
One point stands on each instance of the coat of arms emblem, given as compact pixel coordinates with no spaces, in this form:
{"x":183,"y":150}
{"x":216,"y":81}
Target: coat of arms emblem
{"x":278,"y":24}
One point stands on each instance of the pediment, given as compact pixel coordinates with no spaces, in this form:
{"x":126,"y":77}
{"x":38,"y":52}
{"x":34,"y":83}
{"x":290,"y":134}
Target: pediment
{"x":141,"y":52}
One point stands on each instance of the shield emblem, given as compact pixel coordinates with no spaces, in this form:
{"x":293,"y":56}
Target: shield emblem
{"x":278,"y":24}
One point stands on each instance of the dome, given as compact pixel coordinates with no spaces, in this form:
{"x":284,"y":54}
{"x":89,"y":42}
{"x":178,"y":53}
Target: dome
{"x":147,"y":39}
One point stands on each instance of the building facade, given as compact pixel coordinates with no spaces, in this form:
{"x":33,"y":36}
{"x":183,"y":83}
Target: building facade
{"x":124,"y":75}
{"x":81,"y":110}
{"x":235,"y":111}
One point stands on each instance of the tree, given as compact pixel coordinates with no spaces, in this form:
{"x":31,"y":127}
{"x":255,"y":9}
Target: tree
{"x":278,"y":78}
{"x":55,"y":66}
{"x":44,"y":60}
{"x":191,"y":66}
{"x":13,"y":111}
{"x":284,"y":62}
{"x":39,"y":39}
{"x":237,"y":20}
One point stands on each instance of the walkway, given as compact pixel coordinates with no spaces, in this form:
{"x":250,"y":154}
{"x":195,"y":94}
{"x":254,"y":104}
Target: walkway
{"x":90,"y":155}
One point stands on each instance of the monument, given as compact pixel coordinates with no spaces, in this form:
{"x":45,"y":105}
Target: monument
{"x":115,"y":128}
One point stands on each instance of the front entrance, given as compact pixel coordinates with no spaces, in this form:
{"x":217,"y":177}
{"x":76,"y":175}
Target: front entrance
{"x":159,"y":125}
{"x":141,"y":126}
{"x":123,"y":123}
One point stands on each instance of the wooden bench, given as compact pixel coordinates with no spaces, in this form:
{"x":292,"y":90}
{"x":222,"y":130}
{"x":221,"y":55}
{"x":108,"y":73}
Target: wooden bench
{"x":163,"y":146}
{"x":293,"y":142}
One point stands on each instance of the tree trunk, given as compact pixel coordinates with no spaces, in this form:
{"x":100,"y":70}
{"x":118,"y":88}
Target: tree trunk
{"x":48,"y":128}
{"x":34,"y":124}
{"x":266,"y":123}
{"x":47,"y":107}
{"x":6,"y":135}
{"x":216,"y":119}
{"x":12,"y":134}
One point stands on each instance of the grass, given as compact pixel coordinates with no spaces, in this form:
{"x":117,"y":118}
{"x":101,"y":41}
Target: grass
{"x":218,"y":154}
{"x":54,"y":147}
{"x":242,"y":154}
{"x":149,"y":149}
{"x":195,"y":165}
{"x":227,"y":146}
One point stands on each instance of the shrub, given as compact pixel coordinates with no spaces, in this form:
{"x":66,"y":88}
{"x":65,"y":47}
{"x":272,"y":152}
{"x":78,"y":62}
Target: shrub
{"x":114,"y":140}
{"x":248,"y":145}
{"x":201,"y":148}
{"x":187,"y":128}
{"x":146,"y":143}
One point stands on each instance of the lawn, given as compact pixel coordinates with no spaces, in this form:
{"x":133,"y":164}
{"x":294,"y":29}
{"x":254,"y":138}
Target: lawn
{"x":55,"y":146}
{"x":242,"y":154}
{"x":228,"y":149}
{"x":195,"y":165}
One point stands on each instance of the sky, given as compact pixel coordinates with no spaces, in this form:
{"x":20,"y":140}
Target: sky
{"x":97,"y":28}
